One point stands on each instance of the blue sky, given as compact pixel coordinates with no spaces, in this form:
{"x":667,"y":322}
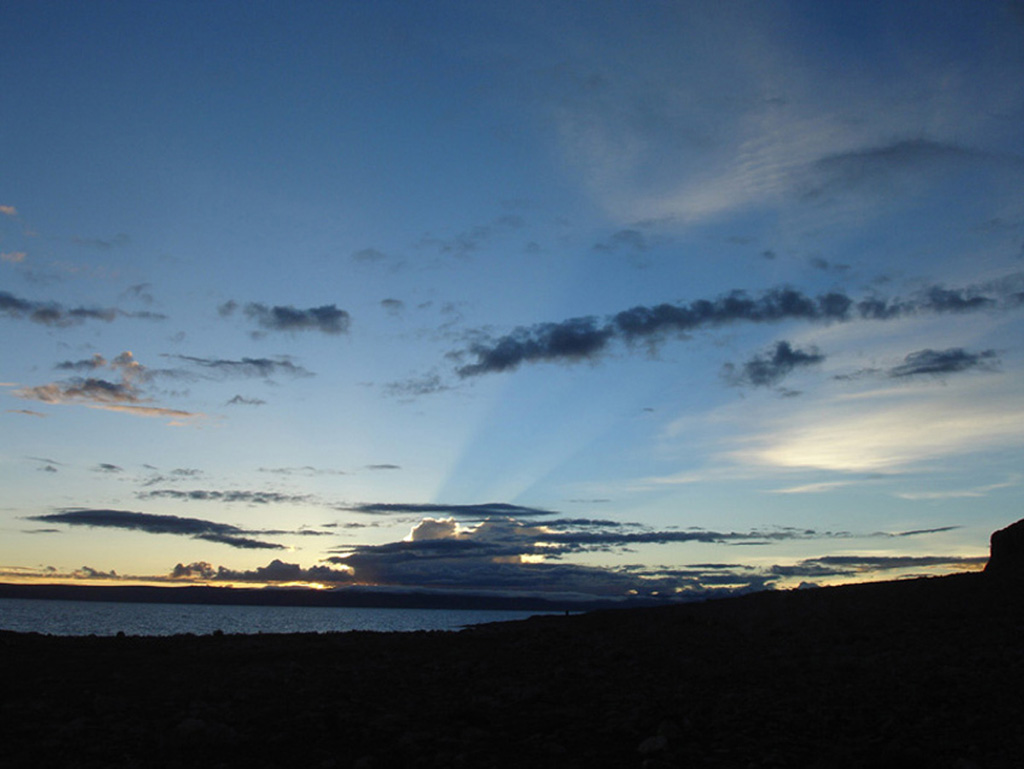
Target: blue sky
{"x":601,"y":298}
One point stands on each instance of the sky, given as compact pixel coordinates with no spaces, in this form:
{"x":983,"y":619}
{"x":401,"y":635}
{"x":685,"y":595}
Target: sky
{"x":605,"y":298}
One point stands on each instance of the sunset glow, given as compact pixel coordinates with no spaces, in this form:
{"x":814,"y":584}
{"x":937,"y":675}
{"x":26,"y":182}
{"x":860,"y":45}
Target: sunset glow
{"x":608,"y":298}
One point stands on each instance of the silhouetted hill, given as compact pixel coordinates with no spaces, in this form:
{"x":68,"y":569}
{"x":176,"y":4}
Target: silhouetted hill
{"x":922,"y":673}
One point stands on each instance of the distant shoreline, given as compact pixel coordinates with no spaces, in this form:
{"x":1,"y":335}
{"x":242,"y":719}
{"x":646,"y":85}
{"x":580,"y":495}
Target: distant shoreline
{"x":209,"y":595}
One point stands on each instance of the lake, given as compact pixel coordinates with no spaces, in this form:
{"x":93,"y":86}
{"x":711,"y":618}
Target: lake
{"x":73,"y":618}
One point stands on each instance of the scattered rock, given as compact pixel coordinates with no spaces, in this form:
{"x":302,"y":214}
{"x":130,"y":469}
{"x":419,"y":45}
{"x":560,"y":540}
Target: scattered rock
{"x":653,"y":745}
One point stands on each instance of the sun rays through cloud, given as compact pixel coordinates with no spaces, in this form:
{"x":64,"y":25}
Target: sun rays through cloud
{"x":511,"y":298}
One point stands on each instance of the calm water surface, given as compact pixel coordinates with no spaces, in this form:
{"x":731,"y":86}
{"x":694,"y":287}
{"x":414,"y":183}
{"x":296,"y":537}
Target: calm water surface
{"x":152,"y":619}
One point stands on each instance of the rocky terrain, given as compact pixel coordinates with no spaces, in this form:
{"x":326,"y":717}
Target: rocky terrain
{"x":921,"y":673}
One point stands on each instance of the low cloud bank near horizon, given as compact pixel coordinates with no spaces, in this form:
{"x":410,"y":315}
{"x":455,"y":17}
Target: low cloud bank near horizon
{"x":496,"y":557}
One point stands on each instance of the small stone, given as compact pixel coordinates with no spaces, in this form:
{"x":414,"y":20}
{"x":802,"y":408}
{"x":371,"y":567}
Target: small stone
{"x":191,"y":727}
{"x":653,"y":745}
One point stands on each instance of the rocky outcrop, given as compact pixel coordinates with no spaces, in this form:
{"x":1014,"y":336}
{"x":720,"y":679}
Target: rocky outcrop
{"x":1006,"y":556}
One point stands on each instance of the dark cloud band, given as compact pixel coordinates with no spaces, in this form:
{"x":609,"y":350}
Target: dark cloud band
{"x":939,"y":362}
{"x":588,"y":337}
{"x":459,"y":511}
{"x":152,"y":523}
{"x":56,"y":314}
{"x":327,"y":318}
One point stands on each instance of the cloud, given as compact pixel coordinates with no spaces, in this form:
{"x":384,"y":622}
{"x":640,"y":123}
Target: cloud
{"x":369,"y":255}
{"x":587,"y":337}
{"x":507,"y":554}
{"x":630,"y":240}
{"x":151,"y":523}
{"x":8,"y":211}
{"x":825,"y":266}
{"x":196,"y":570}
{"x":27,"y":412}
{"x":770,"y":368}
{"x":973,"y":492}
{"x":917,"y":532}
{"x":589,"y":540}
{"x":57,"y":315}
{"x":245,"y":497}
{"x":51,"y":313}
{"x":428,"y":384}
{"x":88,"y":364}
{"x":467,"y":565}
{"x":240,"y":400}
{"x":177,"y":416}
{"x":503,"y":535}
{"x":392,"y":306}
{"x":875,"y":167}
{"x":949,"y":361}
{"x":888,"y":430}
{"x":853,"y":565}
{"x":91,"y":390}
{"x":13,"y":257}
{"x":307,"y":470}
{"x":120,"y":239}
{"x":327,"y":318}
{"x":383,"y":467}
{"x":276,"y":571}
{"x":106,"y":467}
{"x":176,"y":475}
{"x":246,"y":367}
{"x":459,"y":511}
{"x":94,"y":392}
{"x":469,"y":241}
{"x":571,"y":340}
{"x":813,"y":488}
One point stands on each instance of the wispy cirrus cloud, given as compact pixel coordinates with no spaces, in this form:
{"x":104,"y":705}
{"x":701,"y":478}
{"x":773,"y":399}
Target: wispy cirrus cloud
{"x":103,"y":244}
{"x":482,"y":510}
{"x":855,"y":565}
{"x":306,"y":470}
{"x":972,"y":492}
{"x":471,"y":240}
{"x":246,"y":368}
{"x":886,"y":430}
{"x":231,"y":496}
{"x":939,"y":362}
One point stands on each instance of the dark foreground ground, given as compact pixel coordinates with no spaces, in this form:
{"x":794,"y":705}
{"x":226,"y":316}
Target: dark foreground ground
{"x":928,"y":673}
